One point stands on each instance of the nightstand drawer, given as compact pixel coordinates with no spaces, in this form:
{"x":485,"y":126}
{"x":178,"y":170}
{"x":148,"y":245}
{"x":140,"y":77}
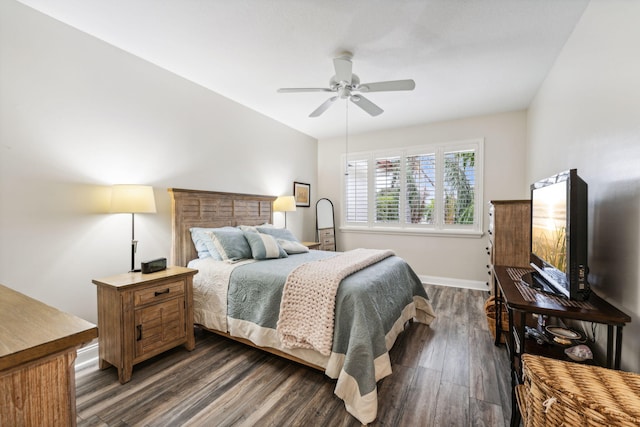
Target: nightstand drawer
{"x":158,"y":293}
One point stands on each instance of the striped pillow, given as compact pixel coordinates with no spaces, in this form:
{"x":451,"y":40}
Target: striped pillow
{"x":229,"y":243}
{"x":264,"y":246}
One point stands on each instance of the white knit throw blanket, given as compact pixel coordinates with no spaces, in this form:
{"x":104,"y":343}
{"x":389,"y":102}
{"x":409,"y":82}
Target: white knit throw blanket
{"x":307,"y":308}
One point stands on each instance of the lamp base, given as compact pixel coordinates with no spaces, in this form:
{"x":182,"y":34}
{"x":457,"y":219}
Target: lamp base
{"x":136,"y":270}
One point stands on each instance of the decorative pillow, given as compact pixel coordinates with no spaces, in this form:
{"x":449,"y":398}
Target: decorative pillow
{"x":254,"y":228}
{"x":229,"y":242}
{"x":264,"y":246}
{"x":278,"y":233}
{"x":200,"y":236}
{"x":292,"y":247}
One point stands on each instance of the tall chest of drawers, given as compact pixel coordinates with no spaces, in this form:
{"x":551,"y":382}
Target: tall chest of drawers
{"x":509,"y":233}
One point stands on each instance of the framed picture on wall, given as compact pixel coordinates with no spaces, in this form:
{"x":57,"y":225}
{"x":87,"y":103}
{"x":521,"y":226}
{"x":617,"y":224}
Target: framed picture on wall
{"x":302,"y":194}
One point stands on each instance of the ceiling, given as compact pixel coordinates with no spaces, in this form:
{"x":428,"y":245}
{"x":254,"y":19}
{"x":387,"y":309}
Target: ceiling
{"x":467,"y":57}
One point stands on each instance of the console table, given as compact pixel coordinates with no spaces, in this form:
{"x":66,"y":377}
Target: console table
{"x":37,"y":352}
{"x":522,"y":301}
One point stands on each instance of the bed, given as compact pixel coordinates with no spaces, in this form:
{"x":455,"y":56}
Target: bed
{"x":259,"y":302}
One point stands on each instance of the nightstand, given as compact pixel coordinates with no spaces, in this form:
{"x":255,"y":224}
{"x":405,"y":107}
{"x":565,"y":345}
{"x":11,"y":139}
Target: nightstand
{"x":312,"y":245}
{"x":143,"y":315}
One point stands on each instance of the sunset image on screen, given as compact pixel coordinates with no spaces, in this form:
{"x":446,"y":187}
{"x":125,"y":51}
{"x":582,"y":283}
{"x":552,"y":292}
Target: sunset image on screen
{"x":549,"y":219}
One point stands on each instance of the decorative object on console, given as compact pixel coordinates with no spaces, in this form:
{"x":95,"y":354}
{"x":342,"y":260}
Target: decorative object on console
{"x":132,"y":199}
{"x":564,"y":334}
{"x":579,"y":353}
{"x":302,"y":194}
{"x":285,"y":204}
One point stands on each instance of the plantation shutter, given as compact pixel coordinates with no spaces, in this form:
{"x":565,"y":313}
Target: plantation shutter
{"x":430,"y":189}
{"x":387,"y":188}
{"x":357,"y":183}
{"x":420,"y":188}
{"x":459,"y":187}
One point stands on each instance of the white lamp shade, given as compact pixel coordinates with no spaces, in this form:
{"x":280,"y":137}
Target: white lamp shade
{"x":284,"y":204}
{"x":132,"y":199}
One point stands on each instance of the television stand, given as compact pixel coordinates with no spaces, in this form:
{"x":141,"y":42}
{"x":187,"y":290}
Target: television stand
{"x":520,"y":305}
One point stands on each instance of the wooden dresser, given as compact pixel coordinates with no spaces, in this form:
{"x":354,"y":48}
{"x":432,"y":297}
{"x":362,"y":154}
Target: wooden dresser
{"x":509,"y":233}
{"x":38,"y":346}
{"x":142,"y":315}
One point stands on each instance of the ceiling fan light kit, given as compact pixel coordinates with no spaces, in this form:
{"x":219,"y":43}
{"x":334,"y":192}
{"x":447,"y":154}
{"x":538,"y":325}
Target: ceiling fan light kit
{"x":344,"y":83}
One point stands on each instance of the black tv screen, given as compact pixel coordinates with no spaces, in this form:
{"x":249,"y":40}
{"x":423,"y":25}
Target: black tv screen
{"x":559,"y":239}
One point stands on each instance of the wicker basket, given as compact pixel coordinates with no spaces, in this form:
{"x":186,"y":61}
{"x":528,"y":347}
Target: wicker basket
{"x":490,"y":311}
{"x":558,"y":393}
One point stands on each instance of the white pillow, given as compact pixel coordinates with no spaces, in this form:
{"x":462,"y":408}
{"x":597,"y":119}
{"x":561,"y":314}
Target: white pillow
{"x":292,"y":247}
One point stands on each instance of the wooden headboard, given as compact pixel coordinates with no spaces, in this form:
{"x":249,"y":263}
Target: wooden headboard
{"x":194,"y":208}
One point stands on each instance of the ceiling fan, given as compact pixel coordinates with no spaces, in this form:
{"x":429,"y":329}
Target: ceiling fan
{"x":345,"y":84}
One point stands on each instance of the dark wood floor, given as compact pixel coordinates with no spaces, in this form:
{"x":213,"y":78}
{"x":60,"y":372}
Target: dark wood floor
{"x":446,"y":374}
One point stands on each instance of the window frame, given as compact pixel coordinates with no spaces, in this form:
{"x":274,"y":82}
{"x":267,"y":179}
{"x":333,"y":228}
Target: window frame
{"x":438,"y":228}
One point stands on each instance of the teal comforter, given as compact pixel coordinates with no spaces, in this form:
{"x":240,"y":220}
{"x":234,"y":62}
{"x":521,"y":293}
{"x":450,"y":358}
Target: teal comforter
{"x":372,"y":306}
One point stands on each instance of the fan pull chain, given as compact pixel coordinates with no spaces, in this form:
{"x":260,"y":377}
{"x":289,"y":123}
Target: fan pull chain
{"x":346,"y":143}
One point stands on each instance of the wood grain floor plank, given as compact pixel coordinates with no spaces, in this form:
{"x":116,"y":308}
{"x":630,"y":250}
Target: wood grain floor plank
{"x":420,"y":408}
{"x":483,"y":375}
{"x":325,"y":409}
{"x":432,"y":355}
{"x":485,"y":414}
{"x":209,"y":388}
{"x":456,"y":354}
{"x":393,"y":393}
{"x":251,"y":389}
{"x":409,"y":346}
{"x":452,"y":405}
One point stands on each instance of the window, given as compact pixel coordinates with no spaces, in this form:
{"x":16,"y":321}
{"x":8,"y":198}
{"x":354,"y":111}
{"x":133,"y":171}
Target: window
{"x":434,"y":188}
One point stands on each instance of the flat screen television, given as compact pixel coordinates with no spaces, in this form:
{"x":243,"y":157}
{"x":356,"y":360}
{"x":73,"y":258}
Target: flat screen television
{"x":559,"y":240}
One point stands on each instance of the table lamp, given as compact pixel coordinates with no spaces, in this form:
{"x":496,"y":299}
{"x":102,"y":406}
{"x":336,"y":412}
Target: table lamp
{"x":132,"y":199}
{"x":284,"y":204}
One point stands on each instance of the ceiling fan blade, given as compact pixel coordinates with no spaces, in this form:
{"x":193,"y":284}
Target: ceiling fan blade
{"x":323,"y":107}
{"x":303,"y":89}
{"x":343,"y":66}
{"x":366,"y":105}
{"x":387,"y":86}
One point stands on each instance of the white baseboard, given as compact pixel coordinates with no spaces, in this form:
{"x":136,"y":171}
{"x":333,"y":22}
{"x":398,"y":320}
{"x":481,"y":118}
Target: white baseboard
{"x":87,"y":356}
{"x":455,"y":283}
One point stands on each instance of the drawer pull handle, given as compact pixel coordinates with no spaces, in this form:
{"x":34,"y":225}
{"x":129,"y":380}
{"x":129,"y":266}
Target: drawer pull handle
{"x":139,"y":329}
{"x":158,"y":293}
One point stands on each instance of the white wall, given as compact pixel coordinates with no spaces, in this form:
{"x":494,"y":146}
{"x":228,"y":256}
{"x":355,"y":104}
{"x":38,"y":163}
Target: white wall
{"x":457,"y":258}
{"x":78,"y":115}
{"x":587,"y":116}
